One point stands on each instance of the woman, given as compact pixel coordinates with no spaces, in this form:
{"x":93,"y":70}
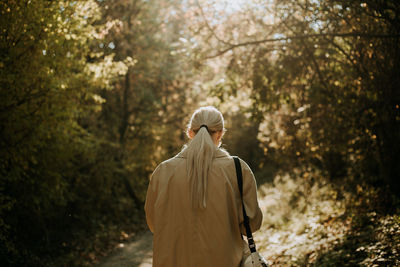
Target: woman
{"x":193,"y":205}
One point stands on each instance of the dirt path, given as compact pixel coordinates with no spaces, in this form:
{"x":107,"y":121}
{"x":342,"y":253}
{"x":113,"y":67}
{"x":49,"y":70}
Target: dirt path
{"x":137,"y":253}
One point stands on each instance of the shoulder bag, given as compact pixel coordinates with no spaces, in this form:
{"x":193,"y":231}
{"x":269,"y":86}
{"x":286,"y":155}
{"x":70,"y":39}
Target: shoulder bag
{"x":254,"y":259}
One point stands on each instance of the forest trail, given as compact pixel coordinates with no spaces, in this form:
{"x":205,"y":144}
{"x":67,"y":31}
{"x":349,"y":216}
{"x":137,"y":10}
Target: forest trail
{"x":137,"y":253}
{"x":310,"y":232}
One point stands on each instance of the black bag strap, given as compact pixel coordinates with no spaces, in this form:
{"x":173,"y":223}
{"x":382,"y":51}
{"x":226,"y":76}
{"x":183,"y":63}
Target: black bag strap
{"x":246,"y":223}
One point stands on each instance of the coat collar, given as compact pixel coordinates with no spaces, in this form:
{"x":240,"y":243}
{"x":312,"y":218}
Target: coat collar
{"x":220,"y":153}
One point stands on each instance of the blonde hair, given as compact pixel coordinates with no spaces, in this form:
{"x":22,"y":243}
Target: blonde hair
{"x":204,"y":122}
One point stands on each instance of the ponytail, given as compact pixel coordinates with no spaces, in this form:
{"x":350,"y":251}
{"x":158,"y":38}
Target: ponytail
{"x":201,"y":151}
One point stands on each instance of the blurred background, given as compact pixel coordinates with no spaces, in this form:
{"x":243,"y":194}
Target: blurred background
{"x":94,"y":94}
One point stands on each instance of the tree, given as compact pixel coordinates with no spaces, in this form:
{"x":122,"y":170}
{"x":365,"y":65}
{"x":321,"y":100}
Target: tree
{"x":323,"y":78}
{"x":144,"y":115}
{"x":46,"y":86}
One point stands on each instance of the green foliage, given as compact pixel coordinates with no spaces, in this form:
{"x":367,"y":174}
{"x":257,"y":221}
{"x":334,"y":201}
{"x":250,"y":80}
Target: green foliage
{"x":334,"y":96}
{"x":92,"y":98}
{"x":372,"y":240}
{"x":323,"y":79}
{"x":143,"y":115}
{"x":54,"y":176}
{"x":307,"y":222}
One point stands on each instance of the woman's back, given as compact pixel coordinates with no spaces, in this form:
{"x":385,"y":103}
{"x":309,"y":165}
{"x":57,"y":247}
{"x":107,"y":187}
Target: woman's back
{"x":193,"y":204}
{"x":186,"y":236}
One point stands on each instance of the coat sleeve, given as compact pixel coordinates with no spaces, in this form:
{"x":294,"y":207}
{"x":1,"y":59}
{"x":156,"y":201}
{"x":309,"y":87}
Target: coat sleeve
{"x":250,"y":199}
{"x":151,"y":198}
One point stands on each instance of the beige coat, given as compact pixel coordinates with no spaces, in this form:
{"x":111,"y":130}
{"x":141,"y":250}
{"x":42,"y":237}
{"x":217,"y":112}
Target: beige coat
{"x":188,"y":237}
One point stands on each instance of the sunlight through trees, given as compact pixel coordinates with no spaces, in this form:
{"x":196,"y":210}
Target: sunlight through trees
{"x":95,"y":93}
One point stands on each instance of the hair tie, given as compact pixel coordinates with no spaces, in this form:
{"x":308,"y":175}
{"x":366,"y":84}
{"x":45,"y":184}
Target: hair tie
{"x":203,"y":125}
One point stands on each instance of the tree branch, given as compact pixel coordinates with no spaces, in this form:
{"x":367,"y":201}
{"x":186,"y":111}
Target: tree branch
{"x":208,"y":25}
{"x":304,"y":36}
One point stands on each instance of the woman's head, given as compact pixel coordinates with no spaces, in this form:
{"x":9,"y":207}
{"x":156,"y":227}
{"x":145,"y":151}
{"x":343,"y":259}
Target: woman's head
{"x":205,"y":130}
{"x":210,"y":119}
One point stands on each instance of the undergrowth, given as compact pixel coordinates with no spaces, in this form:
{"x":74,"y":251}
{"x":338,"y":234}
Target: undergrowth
{"x":311,"y":222}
